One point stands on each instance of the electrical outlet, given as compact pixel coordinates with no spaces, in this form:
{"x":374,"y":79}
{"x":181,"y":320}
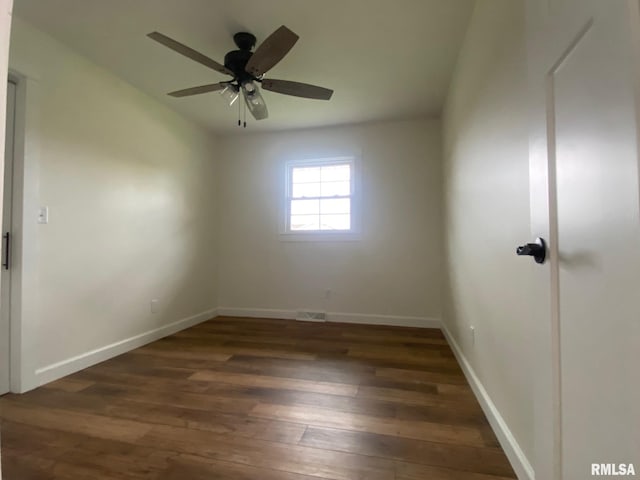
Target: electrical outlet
{"x":473,"y":334}
{"x":154,"y":305}
{"x":327,"y":294}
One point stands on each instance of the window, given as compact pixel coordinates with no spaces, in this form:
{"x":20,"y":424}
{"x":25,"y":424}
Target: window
{"x":320,"y":196}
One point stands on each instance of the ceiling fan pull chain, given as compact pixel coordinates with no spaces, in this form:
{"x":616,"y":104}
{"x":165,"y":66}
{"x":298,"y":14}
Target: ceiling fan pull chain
{"x":239,"y":113}
{"x":245,"y":114}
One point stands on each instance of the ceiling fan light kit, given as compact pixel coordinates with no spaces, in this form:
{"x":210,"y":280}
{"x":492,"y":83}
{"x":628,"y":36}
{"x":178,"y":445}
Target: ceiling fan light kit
{"x":247,"y":70}
{"x":230,"y":94}
{"x":254,"y":101}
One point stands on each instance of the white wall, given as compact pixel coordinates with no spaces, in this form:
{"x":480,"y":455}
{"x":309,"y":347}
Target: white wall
{"x":131,"y":189}
{"x":487,"y":212}
{"x":394,"y":269}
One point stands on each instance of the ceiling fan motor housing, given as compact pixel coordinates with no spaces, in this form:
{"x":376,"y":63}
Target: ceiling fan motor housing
{"x":236,"y":61}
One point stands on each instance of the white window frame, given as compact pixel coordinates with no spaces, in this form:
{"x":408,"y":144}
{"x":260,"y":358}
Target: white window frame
{"x":322,"y":235}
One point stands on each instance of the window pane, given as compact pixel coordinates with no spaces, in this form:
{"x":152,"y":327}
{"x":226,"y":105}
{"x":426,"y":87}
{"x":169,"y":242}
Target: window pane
{"x":305,"y":207}
{"x":320,"y":196}
{"x":332,"y":189}
{"x":336,"y":173}
{"x":305,"y":222}
{"x":339,"y":205}
{"x":306,"y":190}
{"x":306,"y":174}
{"x":335,"y":222}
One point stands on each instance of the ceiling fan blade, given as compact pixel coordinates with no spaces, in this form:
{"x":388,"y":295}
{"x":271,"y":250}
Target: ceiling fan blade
{"x":297,"y":89}
{"x":198,"y":90}
{"x":189,"y":52}
{"x":255,"y":103}
{"x":271,"y":51}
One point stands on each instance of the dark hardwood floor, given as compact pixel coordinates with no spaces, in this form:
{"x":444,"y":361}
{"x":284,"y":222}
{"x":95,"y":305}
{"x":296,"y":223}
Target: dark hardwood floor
{"x":257,"y":399}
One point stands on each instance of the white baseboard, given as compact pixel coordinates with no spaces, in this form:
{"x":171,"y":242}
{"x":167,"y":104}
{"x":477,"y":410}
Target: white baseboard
{"x":368,"y":319}
{"x":71,"y":365}
{"x":392,"y":320}
{"x":257,"y":313}
{"x":511,"y":448}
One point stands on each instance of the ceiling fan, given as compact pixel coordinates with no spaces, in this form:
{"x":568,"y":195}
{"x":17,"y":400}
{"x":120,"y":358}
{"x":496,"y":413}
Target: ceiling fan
{"x":248,"y":69}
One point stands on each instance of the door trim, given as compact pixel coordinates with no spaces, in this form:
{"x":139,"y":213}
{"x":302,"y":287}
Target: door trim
{"x":634,"y":20}
{"x":17,"y":231}
{"x":555,"y":337}
{"x":546,"y":51}
{"x":7,"y":225}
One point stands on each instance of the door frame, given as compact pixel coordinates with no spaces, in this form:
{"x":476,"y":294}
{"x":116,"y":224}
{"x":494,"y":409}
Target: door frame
{"x":17,"y":233}
{"x":7,"y":227}
{"x":552,"y":34}
{"x":6,"y":7}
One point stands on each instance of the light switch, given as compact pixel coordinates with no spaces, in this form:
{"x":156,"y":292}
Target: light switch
{"x":43,"y":215}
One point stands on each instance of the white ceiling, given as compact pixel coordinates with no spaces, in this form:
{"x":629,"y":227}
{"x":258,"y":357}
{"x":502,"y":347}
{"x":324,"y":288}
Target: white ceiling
{"x":384,"y":59}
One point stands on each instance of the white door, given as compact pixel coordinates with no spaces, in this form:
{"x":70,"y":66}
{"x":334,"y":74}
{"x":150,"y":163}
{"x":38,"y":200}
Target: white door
{"x":584,"y":59}
{"x":5,"y":281}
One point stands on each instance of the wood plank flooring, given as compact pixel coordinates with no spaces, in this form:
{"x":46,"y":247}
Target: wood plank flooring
{"x":254,"y":399}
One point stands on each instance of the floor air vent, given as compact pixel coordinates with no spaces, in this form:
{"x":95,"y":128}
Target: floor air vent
{"x":309,"y":316}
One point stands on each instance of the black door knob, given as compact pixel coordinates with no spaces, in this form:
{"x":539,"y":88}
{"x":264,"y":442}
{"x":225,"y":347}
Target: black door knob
{"x":537,"y":250}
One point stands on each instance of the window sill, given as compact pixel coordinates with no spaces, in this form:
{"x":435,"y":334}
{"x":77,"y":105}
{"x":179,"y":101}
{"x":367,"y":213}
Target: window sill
{"x":320,"y":236}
